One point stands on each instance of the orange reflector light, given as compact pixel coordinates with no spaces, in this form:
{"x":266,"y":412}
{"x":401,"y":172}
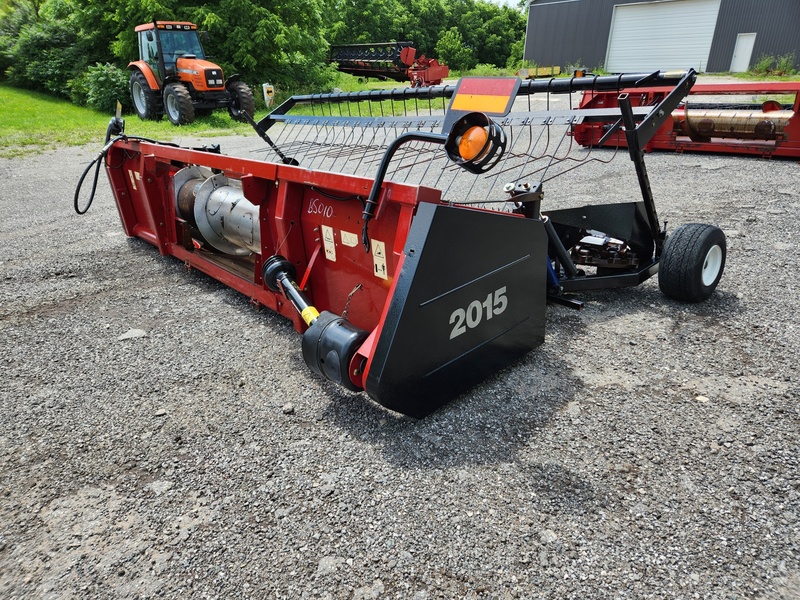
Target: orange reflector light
{"x":472,"y":143}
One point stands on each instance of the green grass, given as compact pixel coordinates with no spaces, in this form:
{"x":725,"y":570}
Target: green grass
{"x":31,"y":122}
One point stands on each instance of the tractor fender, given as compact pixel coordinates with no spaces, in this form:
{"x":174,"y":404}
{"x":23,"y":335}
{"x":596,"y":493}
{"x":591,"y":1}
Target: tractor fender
{"x":232,"y":79}
{"x":175,"y":79}
{"x":145,"y":69}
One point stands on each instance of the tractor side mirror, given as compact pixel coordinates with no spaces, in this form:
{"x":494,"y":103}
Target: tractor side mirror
{"x":149,"y":35}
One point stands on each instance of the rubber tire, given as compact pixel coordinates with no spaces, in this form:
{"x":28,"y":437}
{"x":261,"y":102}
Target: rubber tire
{"x":241,"y":100}
{"x":145,"y":100}
{"x":178,"y":104}
{"x":692,"y":262}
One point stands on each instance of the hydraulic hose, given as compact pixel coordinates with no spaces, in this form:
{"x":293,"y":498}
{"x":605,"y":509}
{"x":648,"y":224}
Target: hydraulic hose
{"x":115,"y":126}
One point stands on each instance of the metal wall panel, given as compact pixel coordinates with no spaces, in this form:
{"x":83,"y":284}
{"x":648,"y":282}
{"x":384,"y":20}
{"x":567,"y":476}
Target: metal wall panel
{"x":666,"y":35}
{"x":576,"y":32}
{"x":568,"y":33}
{"x":776,"y":24}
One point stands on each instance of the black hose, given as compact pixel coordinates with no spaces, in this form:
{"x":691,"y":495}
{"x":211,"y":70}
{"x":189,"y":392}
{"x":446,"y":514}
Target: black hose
{"x":98,"y":161}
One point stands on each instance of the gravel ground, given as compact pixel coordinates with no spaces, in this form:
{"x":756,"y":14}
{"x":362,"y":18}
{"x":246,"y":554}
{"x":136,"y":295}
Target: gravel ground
{"x":648,"y":449}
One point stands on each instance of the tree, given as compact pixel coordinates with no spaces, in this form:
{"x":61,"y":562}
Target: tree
{"x":45,"y":54}
{"x":366,"y":21}
{"x":453,"y":52}
{"x":282,"y":44}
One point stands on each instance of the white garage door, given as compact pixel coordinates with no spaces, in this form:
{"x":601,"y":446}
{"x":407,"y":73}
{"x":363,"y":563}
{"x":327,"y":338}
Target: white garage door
{"x":675,"y":34}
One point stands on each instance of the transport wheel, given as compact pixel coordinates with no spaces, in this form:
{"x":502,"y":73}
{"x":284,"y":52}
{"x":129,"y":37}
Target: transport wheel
{"x":145,"y":100}
{"x":241,"y":101}
{"x":692,"y":262}
{"x":178,"y":104}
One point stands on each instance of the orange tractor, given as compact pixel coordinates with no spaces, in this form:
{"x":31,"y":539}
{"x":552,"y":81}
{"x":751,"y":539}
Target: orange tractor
{"x":173,"y":77}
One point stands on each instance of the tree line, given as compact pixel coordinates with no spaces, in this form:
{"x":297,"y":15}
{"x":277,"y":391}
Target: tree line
{"x":73,"y":48}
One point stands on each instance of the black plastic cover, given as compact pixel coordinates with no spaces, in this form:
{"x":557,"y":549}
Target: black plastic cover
{"x":469,"y":300}
{"x":329,"y":345}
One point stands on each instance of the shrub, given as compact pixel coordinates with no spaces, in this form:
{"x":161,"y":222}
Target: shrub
{"x":776,"y":67}
{"x":764,"y":65}
{"x":105,"y":85}
{"x":785,"y":65}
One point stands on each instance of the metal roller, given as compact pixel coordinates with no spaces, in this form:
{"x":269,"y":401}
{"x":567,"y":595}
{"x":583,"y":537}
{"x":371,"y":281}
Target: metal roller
{"x":216,"y":206}
{"x":735,"y":124}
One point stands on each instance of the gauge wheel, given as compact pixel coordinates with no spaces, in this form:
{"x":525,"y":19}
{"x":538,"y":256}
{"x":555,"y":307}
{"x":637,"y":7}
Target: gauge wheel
{"x":241,"y":101}
{"x":178,"y":104}
{"x":145,"y":100}
{"x":692,"y":262}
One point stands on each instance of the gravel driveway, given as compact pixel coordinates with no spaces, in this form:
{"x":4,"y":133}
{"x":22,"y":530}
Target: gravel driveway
{"x":649,"y":449}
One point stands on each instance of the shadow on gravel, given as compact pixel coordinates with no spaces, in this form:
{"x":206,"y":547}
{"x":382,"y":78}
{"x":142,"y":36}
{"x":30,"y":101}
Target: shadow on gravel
{"x":487,"y":425}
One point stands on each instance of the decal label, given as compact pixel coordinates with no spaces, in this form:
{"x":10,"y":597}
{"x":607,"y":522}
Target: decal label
{"x":463,"y":319}
{"x":328,"y":243}
{"x":379,"y":259}
{"x":349,"y":239}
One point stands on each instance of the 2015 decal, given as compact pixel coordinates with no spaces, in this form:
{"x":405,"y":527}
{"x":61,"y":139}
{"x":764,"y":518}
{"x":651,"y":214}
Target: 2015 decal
{"x":463,"y":319}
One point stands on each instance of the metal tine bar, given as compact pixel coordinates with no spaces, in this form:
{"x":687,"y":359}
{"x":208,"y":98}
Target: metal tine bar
{"x":534,"y":148}
{"x":323,"y":149}
{"x":304,"y":143}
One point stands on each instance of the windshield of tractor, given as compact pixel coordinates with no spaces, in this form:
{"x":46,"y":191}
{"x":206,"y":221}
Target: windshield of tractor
{"x":177,"y":43}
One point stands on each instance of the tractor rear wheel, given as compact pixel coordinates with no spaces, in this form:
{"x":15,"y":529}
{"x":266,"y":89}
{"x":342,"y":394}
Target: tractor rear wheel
{"x":145,"y":100}
{"x":178,"y":104}
{"x":241,"y":101}
{"x":692,"y":262}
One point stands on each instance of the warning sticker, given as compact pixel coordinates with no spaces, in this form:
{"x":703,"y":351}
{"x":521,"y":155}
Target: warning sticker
{"x":328,"y":243}
{"x":349,"y":239}
{"x":379,"y":259}
{"x":134,"y":177}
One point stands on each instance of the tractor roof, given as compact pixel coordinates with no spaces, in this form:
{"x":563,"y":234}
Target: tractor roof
{"x":183,"y":25}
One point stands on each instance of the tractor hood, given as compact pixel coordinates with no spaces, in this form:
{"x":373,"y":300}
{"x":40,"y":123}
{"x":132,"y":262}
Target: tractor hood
{"x":202,"y":73}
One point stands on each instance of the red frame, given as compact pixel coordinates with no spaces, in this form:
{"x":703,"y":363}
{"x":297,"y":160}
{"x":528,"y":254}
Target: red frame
{"x":141,"y":177}
{"x":671,"y":137}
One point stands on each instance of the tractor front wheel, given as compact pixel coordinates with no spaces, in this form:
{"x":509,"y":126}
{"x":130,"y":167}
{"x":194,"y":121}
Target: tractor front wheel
{"x":145,"y":100}
{"x":178,"y":104}
{"x":241,"y":101}
{"x":692,"y":262}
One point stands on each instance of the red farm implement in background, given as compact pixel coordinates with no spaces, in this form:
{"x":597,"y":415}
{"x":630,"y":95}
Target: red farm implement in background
{"x":392,"y":60}
{"x":402,"y":231}
{"x":759,"y":118}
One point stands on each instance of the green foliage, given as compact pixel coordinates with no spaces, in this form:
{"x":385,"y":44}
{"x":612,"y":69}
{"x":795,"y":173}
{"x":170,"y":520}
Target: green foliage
{"x":487,"y":31}
{"x":453,"y":52}
{"x":45,"y":55}
{"x":515,"y":58}
{"x":771,"y":66}
{"x":106,"y":84}
{"x":367,"y":21}
{"x":763,"y":65}
{"x":784,"y":65}
{"x":49,"y":45}
{"x":282,"y":44}
{"x":484,"y":70}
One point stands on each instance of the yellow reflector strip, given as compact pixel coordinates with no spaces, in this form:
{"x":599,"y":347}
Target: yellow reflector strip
{"x":490,"y":95}
{"x":480,"y":103}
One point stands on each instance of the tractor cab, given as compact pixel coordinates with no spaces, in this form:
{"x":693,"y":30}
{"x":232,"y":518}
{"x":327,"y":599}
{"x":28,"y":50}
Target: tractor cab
{"x":173,"y":77}
{"x":162,"y":44}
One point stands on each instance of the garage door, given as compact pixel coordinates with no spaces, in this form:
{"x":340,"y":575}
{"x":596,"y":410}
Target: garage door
{"x":650,"y":36}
